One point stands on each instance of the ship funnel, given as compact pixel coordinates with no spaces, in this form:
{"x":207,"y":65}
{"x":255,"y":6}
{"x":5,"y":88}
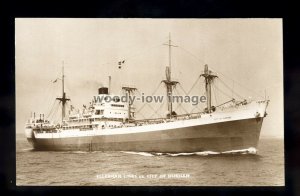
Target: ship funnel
{"x":103,"y":90}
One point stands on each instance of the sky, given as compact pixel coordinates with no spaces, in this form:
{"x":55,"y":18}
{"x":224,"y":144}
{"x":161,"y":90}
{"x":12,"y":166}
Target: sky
{"x":246,"y":54}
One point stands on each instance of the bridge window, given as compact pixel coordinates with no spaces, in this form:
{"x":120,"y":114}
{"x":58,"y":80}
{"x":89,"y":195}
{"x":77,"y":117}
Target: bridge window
{"x":99,"y":112}
{"x":117,"y":105}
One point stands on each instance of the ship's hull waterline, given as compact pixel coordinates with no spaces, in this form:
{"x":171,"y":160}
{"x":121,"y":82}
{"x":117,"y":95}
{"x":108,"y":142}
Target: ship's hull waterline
{"x":219,"y":137}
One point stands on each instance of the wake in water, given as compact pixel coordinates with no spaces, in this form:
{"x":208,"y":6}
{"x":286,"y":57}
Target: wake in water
{"x":148,"y":154}
{"x":248,"y":151}
{"x":27,"y":149}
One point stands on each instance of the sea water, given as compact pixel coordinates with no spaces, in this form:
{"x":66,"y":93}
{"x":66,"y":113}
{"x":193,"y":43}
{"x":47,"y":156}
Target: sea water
{"x":263,"y":166}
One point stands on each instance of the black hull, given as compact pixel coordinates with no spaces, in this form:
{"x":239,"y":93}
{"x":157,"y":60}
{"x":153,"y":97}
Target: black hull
{"x":219,"y":137}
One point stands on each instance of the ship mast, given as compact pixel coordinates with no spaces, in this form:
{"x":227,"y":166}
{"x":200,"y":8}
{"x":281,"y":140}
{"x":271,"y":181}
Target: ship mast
{"x":209,"y":77}
{"x":168,"y":82}
{"x":128,"y":91}
{"x":63,"y":98}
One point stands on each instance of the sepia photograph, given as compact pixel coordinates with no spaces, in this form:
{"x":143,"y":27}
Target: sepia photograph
{"x":149,"y":102}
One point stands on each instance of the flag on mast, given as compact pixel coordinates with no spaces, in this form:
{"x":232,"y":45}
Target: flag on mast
{"x":120,"y":63}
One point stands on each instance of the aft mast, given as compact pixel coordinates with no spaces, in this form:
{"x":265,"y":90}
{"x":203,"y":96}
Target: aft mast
{"x":170,"y":84}
{"x":209,"y":77}
{"x":63,"y":98}
{"x":129,"y":90}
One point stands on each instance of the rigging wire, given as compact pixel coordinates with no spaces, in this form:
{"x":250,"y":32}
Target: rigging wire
{"x":191,"y":54}
{"x":151,"y":95}
{"x":214,"y":90}
{"x":146,"y":52}
{"x":55,"y":116}
{"x":140,"y":53}
{"x":201,"y":61}
{"x":194,"y":85}
{"x":187,"y":93}
{"x":180,"y":104}
{"x":48,"y":115}
{"x":67,"y":86}
{"x":54,"y":111}
{"x":142,"y":115}
{"x":156,"y":111}
{"x":46,"y":97}
{"x":230,"y":89}
{"x":50,"y":97}
{"x":182,"y":89}
{"x":67,"y":107}
{"x":229,"y":96}
{"x":243,"y":86}
{"x":190,"y":91}
{"x":194,"y":109}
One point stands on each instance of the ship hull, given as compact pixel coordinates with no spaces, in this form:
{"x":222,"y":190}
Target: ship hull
{"x":219,"y":137}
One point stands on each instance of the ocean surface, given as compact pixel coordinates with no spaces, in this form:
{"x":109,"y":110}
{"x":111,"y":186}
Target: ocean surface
{"x":261,"y":167}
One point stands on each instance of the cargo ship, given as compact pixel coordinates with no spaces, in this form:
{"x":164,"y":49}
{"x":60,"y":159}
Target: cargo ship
{"x":112,"y":126}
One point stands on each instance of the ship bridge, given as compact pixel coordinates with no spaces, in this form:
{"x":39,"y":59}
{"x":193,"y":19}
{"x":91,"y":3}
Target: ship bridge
{"x":110,"y":105}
